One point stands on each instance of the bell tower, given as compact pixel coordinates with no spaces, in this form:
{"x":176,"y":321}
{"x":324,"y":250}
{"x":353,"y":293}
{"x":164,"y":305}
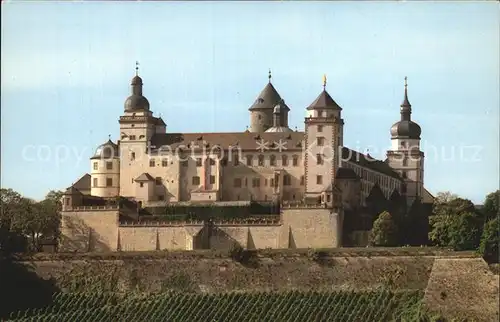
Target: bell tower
{"x":405,"y":156}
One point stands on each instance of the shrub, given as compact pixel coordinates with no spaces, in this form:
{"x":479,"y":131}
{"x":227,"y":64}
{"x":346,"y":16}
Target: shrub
{"x":384,"y":231}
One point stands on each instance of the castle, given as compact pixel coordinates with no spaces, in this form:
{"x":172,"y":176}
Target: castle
{"x":312,"y":184}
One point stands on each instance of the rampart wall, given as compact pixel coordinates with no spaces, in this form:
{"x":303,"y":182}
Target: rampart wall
{"x":99,"y":229}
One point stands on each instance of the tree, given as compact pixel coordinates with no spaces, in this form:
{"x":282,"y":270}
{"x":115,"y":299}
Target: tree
{"x":491,"y":205}
{"x":464,"y":232}
{"x":490,"y":240}
{"x":384,"y":231}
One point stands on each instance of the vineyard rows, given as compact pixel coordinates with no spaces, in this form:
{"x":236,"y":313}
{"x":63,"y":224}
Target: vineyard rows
{"x":264,"y":306}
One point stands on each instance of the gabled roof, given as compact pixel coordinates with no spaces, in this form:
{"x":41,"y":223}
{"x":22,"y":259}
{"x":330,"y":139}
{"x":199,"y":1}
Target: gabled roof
{"x":346,"y":173}
{"x":267,"y":99}
{"x":72,"y":191}
{"x":144,"y":177}
{"x":368,"y":162}
{"x":159,"y":121}
{"x":83,"y":183}
{"x":324,"y":101}
{"x":292,"y":141}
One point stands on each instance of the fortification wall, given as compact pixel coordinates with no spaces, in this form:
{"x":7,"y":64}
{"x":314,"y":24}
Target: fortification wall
{"x":89,"y":229}
{"x":99,"y":230}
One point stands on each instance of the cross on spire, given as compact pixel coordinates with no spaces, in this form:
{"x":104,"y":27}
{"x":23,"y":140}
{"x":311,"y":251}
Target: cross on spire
{"x":269,"y":76}
{"x":136,"y":68}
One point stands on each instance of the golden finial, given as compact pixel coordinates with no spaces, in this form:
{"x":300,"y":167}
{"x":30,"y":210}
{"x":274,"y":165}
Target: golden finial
{"x":324,"y":81}
{"x":136,"y":68}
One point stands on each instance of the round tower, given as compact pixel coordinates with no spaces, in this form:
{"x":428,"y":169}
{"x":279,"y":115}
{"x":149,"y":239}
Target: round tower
{"x":261,"y":112}
{"x":105,"y":171}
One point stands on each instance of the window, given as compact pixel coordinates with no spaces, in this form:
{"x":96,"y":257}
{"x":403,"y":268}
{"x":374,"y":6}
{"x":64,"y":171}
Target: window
{"x":319,"y":179}
{"x":320,"y":128}
{"x":109,"y":182}
{"x":295,"y":160}
{"x":404,"y":175}
{"x":164,"y":162}
{"x":284,"y":160}
{"x":96,"y":166}
{"x":261,"y":160}
{"x":320,"y":141}
{"x":319,"y":159}
{"x":141,"y":184}
{"x":403,"y":144}
{"x":328,"y":198}
{"x":301,"y":180}
{"x":94,"y":182}
{"x":195,"y":181}
{"x":132,"y":138}
{"x":212,"y":162}
{"x":405,"y":162}
{"x":256,"y":182}
{"x":212,"y":179}
{"x":272,"y":160}
{"x":271,"y":182}
{"x":132,"y":156}
{"x":152,"y":162}
{"x":236,"y":160}
{"x":237,"y":182}
{"x":158,"y":181}
{"x":161,"y":197}
{"x":287,"y":180}
{"x":109,"y":165}
{"x":265,"y":182}
{"x":198,"y":162}
{"x":141,"y":137}
{"x":66,"y":201}
{"x":249,"y":160}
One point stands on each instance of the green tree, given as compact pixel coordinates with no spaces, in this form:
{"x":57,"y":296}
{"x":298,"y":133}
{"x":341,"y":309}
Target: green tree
{"x":465,"y":230}
{"x":384,"y":231}
{"x":490,"y":240}
{"x":491,"y":205}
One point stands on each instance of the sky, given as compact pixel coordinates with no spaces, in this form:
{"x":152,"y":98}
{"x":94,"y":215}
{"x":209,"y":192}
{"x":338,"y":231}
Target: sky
{"x":66,"y":69}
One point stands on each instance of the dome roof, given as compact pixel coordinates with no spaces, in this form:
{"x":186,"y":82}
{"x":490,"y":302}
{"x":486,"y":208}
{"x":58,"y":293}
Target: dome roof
{"x":406,"y":129}
{"x":107,"y":150}
{"x":136,"y":102}
{"x":136,"y":80}
{"x":279,"y":129}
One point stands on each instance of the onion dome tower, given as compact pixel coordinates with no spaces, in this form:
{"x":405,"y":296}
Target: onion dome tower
{"x":136,"y":101}
{"x":405,"y":156}
{"x":105,"y":170}
{"x":279,"y":124}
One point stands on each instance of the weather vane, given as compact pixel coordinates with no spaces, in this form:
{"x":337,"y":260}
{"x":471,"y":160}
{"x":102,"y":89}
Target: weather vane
{"x":406,"y":81}
{"x":324,"y":81}
{"x":269,"y":76}
{"x":136,"y":68}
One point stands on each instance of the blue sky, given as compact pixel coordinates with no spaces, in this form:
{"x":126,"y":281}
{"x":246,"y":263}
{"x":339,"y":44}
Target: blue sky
{"x":66,"y":69}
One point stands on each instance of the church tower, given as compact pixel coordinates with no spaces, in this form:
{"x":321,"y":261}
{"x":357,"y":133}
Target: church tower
{"x":261,"y":111}
{"x":137,"y":126}
{"x":405,"y":156}
{"x":323,"y":139}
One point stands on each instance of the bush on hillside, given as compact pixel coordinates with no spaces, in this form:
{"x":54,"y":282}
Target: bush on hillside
{"x":384,"y":231}
{"x":489,"y":241}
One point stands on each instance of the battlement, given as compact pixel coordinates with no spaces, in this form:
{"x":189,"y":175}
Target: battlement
{"x":92,"y":208}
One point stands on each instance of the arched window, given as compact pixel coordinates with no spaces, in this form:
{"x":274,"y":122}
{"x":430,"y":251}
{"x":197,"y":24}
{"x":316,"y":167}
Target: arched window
{"x":261,"y":160}
{"x":272,"y":160}
{"x":284,"y":160}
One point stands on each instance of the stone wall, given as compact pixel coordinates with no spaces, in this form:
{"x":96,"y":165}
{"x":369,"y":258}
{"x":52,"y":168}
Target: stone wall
{"x":99,"y":230}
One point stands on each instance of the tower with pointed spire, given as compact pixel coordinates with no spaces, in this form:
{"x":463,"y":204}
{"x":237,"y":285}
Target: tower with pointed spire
{"x":137,"y":126}
{"x":262,"y":110}
{"x":323,"y":141}
{"x":405,"y":156}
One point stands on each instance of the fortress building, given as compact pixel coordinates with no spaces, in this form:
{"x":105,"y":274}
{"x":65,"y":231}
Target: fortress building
{"x":312,"y":191}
